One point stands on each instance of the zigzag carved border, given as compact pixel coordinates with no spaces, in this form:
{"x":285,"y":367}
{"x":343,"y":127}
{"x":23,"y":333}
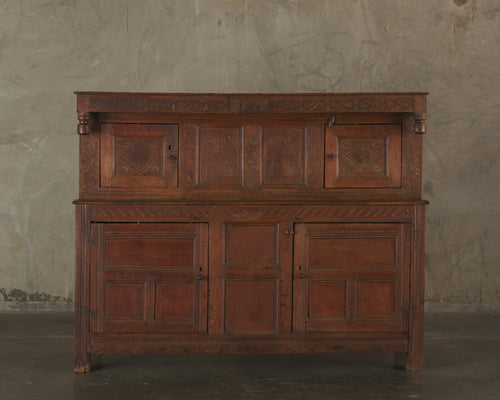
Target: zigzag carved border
{"x":315,"y":213}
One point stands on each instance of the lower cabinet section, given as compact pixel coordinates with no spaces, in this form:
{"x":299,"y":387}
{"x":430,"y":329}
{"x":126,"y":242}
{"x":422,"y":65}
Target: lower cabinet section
{"x":248,"y":284}
{"x":155,"y":277}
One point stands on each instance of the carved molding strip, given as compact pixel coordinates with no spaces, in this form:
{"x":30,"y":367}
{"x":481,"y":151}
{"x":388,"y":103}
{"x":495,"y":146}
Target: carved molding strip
{"x":278,"y":212}
{"x":356,"y":104}
{"x":154,"y":104}
{"x":236,"y":104}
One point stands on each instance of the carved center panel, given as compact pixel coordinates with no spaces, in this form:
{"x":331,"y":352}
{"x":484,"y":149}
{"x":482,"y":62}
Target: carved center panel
{"x":220,"y":157}
{"x":284,"y":153}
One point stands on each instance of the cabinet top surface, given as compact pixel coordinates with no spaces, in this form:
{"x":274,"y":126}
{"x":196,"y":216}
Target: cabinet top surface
{"x":256,"y":94}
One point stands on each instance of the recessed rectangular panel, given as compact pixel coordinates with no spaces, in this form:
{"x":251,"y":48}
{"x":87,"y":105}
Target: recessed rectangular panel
{"x":139,"y":155}
{"x":376,"y":300}
{"x":284,"y":156}
{"x":220,"y":157}
{"x":174,"y":301}
{"x":250,"y":306}
{"x":363,"y":252}
{"x":149,"y":252}
{"x":254,"y":245}
{"x":327,"y":300}
{"x":124,"y":300}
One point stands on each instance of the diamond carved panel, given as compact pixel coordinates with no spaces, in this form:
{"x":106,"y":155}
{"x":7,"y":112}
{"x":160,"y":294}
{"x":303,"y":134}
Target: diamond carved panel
{"x":363,"y":157}
{"x":139,"y":157}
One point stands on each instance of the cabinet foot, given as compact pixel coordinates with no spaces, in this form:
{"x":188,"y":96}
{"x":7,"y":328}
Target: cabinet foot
{"x":407,"y":362}
{"x":82,"y":366}
{"x":413,"y":364}
{"x":80,"y":369}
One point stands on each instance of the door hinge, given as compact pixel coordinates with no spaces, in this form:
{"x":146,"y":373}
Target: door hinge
{"x":331,"y":121}
{"x":292,"y":232}
{"x":90,"y":239}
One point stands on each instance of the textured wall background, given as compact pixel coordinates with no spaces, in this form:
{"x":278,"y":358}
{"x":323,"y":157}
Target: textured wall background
{"x":48,"y":49}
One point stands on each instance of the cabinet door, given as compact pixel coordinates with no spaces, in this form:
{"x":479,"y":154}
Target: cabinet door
{"x":350,"y":277}
{"x":358,"y":156}
{"x":139,"y":155}
{"x":149,"y":277}
{"x":250,"y":286}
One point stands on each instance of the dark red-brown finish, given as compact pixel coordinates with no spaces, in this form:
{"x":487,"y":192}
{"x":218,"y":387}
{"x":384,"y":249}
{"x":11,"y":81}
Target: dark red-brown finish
{"x":243,"y":223}
{"x":351,"y":277}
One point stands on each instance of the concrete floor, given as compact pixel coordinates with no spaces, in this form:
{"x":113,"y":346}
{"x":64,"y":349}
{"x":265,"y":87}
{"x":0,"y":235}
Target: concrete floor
{"x":461,"y":361}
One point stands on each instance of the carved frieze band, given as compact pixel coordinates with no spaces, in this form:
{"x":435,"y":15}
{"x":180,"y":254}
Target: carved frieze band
{"x":353,"y":104}
{"x":250,"y":104}
{"x":281,"y":212}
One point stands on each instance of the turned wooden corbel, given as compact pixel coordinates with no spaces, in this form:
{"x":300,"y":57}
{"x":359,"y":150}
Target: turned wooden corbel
{"x":83,"y":123}
{"x":420,"y":113}
{"x":419,"y":126}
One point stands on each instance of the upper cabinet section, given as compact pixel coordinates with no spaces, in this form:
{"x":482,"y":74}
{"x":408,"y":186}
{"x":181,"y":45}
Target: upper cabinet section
{"x":256,"y":147}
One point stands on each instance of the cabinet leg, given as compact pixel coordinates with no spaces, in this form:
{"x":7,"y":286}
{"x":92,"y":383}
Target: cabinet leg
{"x":407,"y":361}
{"x":417,"y":278}
{"x":82,"y":363}
{"x":413,"y":361}
{"x":82,"y":295}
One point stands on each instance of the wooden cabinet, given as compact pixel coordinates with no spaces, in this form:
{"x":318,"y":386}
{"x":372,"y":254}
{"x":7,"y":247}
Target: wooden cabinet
{"x":249,"y":223}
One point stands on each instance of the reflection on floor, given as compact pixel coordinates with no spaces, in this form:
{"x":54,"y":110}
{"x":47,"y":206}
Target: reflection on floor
{"x":461,"y":361}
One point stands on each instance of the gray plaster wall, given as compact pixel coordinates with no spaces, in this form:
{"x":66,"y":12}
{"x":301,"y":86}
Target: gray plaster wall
{"x":48,"y":49}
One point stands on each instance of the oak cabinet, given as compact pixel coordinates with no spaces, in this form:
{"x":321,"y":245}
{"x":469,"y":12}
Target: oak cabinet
{"x":249,"y":223}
